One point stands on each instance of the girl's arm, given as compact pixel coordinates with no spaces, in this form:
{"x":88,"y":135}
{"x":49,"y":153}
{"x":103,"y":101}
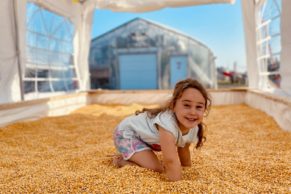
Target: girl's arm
{"x":170,"y":155}
{"x":184,"y":155}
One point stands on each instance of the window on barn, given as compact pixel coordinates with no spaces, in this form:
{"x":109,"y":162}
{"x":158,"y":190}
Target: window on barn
{"x":49,"y":47}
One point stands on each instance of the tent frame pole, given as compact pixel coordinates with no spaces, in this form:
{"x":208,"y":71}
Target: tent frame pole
{"x":14,"y":2}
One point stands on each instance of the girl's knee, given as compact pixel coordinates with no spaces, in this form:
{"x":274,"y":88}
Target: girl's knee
{"x":158,"y":168}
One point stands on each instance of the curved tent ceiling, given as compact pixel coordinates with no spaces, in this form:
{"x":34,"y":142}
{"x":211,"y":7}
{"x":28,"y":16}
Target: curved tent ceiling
{"x":150,"y":5}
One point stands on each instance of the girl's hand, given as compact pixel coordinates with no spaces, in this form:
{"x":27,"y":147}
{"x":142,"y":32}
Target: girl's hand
{"x":184,"y":155}
{"x":170,"y":155}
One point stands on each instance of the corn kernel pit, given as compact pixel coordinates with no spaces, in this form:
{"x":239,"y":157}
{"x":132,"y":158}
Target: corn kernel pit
{"x":245,"y":152}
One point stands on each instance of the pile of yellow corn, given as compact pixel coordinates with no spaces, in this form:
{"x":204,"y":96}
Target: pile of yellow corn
{"x":245,"y":152}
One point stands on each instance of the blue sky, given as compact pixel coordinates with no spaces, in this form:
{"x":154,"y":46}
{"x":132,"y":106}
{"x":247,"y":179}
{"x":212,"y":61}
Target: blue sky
{"x":219,"y":26}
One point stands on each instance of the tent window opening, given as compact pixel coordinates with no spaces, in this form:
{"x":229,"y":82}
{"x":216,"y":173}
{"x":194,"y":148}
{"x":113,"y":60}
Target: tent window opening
{"x":268,"y":15}
{"x":49,"y":66}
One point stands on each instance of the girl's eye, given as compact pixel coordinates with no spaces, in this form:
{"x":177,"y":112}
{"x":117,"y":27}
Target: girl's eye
{"x":199,"y":107}
{"x":187,"y":105}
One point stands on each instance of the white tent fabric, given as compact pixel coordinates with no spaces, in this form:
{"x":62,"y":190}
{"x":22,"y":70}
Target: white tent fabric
{"x":12,"y":53}
{"x":248,"y":8}
{"x":11,"y":56}
{"x":150,"y":5}
{"x":81,"y":16}
{"x":285,"y":68}
{"x":278,"y":109}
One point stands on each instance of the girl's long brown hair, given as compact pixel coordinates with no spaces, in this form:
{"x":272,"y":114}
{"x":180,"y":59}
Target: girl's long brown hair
{"x":178,"y":91}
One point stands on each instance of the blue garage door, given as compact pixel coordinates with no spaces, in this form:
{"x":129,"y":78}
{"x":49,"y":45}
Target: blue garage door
{"x":179,"y":67}
{"x":138,"y":71}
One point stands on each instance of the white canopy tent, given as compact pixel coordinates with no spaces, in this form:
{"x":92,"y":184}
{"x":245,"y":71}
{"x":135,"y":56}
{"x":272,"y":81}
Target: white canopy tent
{"x":13,"y":38}
{"x":13,"y":53}
{"x":250,"y":15}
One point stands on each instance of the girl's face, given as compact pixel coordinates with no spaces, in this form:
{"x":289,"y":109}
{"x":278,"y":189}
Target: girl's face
{"x":189,"y":109}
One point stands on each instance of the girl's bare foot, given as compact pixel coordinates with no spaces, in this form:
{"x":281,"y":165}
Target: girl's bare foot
{"x":119,"y":162}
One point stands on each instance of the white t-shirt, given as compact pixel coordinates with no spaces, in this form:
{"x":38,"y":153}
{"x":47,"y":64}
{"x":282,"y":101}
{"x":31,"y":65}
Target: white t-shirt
{"x":144,"y":127}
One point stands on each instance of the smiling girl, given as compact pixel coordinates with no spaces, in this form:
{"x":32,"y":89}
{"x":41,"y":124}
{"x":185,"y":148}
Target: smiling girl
{"x":170,"y":129}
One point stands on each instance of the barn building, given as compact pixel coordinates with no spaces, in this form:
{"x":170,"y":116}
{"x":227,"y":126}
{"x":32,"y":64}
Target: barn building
{"x":141,"y":54}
